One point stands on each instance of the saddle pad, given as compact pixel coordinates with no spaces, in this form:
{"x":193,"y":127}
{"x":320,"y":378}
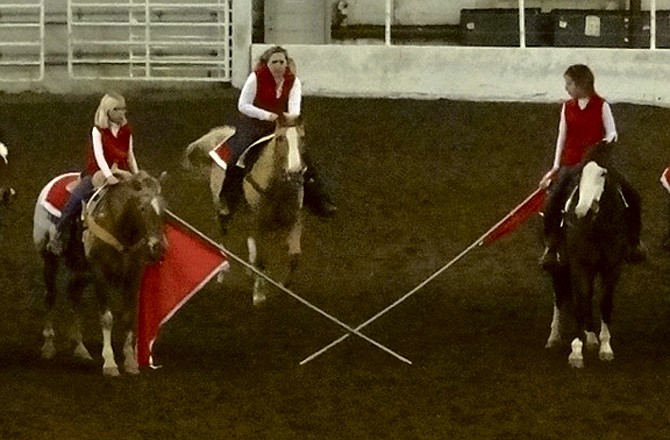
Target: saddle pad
{"x":55,"y":195}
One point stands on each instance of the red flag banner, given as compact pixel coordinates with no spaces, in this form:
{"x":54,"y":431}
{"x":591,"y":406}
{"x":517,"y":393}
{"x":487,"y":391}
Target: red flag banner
{"x":532,"y":205}
{"x":189,"y":263}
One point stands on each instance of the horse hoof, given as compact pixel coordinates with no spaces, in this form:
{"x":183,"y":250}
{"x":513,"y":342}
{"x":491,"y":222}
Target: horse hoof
{"x":259,"y":299}
{"x":111,"y":372}
{"x":576,"y":361}
{"x":81,"y":352}
{"x":48,"y":352}
{"x":553,"y":343}
{"x":606,"y":356}
{"x":133,"y":370}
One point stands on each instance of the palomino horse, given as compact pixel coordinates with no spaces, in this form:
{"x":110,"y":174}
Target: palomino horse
{"x":273,"y":189}
{"x":122,"y":232}
{"x":7,"y":193}
{"x":595,"y":245}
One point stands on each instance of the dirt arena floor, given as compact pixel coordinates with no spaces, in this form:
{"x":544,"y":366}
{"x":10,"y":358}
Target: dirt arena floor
{"x":416,"y":182}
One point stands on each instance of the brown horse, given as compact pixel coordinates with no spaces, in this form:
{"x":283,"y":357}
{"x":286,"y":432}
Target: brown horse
{"x":122,"y":231}
{"x":273,"y":189}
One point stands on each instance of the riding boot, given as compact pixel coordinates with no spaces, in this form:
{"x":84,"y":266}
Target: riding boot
{"x":317,"y":197}
{"x":230,"y":194}
{"x":637,"y":251}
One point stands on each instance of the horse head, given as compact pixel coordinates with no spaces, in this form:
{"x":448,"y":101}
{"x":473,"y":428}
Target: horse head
{"x":591,"y":187}
{"x":7,"y":193}
{"x":289,"y":141}
{"x":134,"y":211}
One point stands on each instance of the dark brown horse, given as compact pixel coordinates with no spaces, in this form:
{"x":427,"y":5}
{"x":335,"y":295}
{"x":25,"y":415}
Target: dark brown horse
{"x":122,"y":231}
{"x":595,"y":246}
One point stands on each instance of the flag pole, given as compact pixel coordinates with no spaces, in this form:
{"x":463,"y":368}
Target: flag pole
{"x":289,"y":292}
{"x":421,"y":285}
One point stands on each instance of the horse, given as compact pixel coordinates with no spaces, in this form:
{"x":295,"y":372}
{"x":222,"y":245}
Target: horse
{"x":594,"y":249}
{"x":7,"y":193}
{"x":272,"y":186}
{"x":121,"y":232}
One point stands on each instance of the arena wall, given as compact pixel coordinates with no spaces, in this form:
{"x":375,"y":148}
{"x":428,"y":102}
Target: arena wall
{"x":637,"y":76}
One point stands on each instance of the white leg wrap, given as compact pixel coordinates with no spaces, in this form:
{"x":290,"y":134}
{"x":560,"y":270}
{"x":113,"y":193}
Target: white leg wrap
{"x":576,"y":358}
{"x":109,"y":368}
{"x":130,"y":364}
{"x":606,"y":353}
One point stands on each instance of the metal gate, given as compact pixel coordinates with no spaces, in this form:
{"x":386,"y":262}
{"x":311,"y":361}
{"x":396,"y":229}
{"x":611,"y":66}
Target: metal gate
{"x":150,"y":40}
{"x":22,"y":41}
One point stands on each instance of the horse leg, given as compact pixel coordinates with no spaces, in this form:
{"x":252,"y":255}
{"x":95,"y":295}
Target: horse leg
{"x":259,"y":294}
{"x":582,"y":286}
{"x":606,"y":307}
{"x":109,"y":368}
{"x":76,"y":286}
{"x":49,"y":273}
{"x":130,"y":294}
{"x":562,"y":296}
{"x":294,"y":249}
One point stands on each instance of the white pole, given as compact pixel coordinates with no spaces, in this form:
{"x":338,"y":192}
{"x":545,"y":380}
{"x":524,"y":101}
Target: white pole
{"x":290,"y":293}
{"x":387,"y":24}
{"x":476,"y":243}
{"x":522,"y":24}
{"x":652,"y":25}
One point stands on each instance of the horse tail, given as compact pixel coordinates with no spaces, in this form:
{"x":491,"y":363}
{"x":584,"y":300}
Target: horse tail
{"x":197,"y":152}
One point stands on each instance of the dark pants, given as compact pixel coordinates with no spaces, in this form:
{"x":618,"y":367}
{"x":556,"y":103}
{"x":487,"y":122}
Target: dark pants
{"x":559,"y":192}
{"x":81,"y":193}
{"x":247,"y":131}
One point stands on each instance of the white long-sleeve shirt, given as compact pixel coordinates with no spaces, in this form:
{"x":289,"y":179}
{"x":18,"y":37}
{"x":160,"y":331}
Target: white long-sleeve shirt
{"x":245,"y":103}
{"x":99,"y":152}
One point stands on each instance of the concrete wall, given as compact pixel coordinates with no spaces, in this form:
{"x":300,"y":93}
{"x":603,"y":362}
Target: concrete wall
{"x":477,"y":73}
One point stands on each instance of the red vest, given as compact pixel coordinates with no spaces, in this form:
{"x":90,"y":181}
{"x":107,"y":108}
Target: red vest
{"x":585,"y":128}
{"x":266,"y":90}
{"x":115,"y":148}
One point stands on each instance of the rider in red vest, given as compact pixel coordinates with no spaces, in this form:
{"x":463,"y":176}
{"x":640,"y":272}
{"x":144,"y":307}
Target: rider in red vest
{"x":111,"y":143}
{"x":272,"y":89}
{"x":586,"y":120}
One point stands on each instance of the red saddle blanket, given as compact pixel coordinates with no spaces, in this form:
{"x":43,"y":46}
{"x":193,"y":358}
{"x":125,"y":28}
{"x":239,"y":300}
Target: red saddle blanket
{"x":55,"y":194}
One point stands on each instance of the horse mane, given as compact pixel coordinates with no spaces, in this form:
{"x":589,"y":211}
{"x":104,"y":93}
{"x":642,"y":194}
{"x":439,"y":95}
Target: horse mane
{"x":600,"y":153}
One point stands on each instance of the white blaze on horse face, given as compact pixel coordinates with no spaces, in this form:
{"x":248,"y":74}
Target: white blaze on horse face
{"x":293,"y":138}
{"x":591,"y":186}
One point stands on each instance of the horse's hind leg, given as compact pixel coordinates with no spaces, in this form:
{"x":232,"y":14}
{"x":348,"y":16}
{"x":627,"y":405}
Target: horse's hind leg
{"x":49,"y":273}
{"x":260,"y":284}
{"x":562,"y":299}
{"x":606,"y":307}
{"x":76,"y":287}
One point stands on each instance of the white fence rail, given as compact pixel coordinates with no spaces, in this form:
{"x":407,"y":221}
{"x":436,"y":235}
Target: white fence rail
{"x":22,"y":41}
{"x":148,"y":40}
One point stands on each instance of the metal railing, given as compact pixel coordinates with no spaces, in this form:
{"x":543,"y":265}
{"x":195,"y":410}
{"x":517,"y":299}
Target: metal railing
{"x":22,"y":42}
{"x":148,"y":40}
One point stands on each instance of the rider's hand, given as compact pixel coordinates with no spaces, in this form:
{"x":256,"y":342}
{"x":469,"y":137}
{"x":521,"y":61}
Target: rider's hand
{"x":273,"y":117}
{"x":547,"y":178}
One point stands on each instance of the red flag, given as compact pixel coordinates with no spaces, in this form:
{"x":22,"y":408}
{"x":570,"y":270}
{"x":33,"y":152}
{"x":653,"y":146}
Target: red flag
{"x":189,"y":263}
{"x":665,"y":179}
{"x":533,"y":204}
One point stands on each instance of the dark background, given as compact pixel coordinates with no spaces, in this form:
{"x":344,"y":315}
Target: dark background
{"x":416,"y":182}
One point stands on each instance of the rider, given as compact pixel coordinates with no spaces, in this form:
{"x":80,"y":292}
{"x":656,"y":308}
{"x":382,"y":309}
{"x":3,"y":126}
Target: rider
{"x":586,"y":120}
{"x":271,"y":90}
{"x":111,"y":143}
